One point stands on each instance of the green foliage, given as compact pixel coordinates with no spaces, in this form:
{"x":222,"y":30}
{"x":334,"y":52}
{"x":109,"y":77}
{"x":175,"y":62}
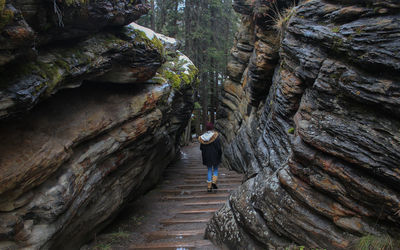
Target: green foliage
{"x":119,"y":235}
{"x":335,"y":29}
{"x":197,"y":105}
{"x":359,"y":30}
{"x":173,"y":79}
{"x":206,"y":29}
{"x":75,"y":2}
{"x":294,"y":247}
{"x":291,"y":130}
{"x":282,"y":17}
{"x":177,"y":71}
{"x":152,"y":43}
{"x":377,"y":242}
{"x":6,"y":15}
{"x":102,"y":246}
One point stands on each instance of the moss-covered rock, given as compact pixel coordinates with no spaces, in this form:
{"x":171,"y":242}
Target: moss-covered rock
{"x":176,"y":71}
{"x":26,"y":83}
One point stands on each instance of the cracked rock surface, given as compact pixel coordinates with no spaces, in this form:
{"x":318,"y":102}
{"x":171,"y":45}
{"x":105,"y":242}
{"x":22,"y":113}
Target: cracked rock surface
{"x":312,"y":120}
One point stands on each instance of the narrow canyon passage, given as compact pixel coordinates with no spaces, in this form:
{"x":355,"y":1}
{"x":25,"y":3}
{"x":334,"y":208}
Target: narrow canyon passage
{"x":175,"y":213}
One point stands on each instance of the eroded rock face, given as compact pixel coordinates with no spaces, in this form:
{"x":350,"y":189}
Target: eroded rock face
{"x":86,"y":128}
{"x":25,"y":25}
{"x":321,"y":147}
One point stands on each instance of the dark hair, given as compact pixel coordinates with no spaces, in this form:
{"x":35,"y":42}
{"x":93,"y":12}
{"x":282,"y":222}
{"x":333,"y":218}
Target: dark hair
{"x":209,"y":126}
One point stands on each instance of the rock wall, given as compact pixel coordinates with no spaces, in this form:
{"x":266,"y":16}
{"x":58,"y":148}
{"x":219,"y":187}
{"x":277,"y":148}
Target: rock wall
{"x":312,"y":119}
{"x":87,"y":122}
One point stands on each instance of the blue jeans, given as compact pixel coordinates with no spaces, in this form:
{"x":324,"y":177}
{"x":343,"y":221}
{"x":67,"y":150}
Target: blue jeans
{"x":210,"y":172}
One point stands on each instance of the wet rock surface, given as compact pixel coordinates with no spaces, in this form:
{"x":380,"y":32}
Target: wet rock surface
{"x":86,"y":125}
{"x":26,"y":25}
{"x":321,"y":146}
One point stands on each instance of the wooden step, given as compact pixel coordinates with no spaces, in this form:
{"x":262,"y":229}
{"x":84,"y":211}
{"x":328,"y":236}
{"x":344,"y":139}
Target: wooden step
{"x":187,"y":168}
{"x":191,"y":191}
{"x":204,"y":203}
{"x":194,"y":186}
{"x":183,"y":221}
{"x":173,"y":245}
{"x":156,"y":235}
{"x":194,"y":197}
{"x":225,"y":181}
{"x":199,"y":211}
{"x":234,"y":178}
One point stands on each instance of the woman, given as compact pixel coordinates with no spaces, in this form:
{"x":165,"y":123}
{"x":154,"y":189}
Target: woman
{"x":211,"y":152}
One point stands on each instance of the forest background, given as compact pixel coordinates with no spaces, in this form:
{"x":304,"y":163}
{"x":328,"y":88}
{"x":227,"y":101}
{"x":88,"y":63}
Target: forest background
{"x":206,"y":30}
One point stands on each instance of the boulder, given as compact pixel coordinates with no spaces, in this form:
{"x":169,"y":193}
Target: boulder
{"x":91,"y":141}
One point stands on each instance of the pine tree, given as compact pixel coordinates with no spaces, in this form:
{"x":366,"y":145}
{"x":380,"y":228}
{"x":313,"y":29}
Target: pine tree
{"x":206,"y":29}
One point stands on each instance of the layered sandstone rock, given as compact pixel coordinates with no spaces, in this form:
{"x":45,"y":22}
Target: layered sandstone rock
{"x":87,"y":125}
{"x":320,"y":142}
{"x":25,"y":25}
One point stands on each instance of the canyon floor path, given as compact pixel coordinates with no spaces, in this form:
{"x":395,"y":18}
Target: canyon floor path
{"x":174,"y":214}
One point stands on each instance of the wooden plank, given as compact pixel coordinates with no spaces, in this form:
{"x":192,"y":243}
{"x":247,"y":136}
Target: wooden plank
{"x":204,"y":203}
{"x":192,"y":191}
{"x":220,"y":181}
{"x":198,"y":211}
{"x":156,"y":235}
{"x":173,"y":245}
{"x":194,"y":197}
{"x":235,"y":178}
{"x":183,"y":221}
{"x":194,"y":186}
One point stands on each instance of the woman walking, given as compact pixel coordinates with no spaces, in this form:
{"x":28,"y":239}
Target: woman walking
{"x":211,"y":152}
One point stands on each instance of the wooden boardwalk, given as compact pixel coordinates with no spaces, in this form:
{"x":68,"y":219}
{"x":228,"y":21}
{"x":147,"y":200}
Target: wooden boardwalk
{"x":188,"y":205}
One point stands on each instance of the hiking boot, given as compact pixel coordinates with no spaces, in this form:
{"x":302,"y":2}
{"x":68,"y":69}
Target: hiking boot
{"x":214,"y":182}
{"x":209,"y":187}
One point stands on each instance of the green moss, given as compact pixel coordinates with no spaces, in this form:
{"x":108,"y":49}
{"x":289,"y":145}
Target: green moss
{"x":158,"y":44}
{"x":186,"y":79}
{"x":335,"y":29}
{"x":75,"y":2}
{"x":6,"y":16}
{"x":197,"y":105}
{"x":102,"y":246}
{"x":176,"y":72}
{"x":173,"y":79}
{"x":2,"y":5}
{"x":359,"y":30}
{"x":119,"y":235}
{"x":291,"y":130}
{"x":140,"y":36}
{"x":337,"y":43}
{"x":372,"y":242}
{"x":334,"y":76}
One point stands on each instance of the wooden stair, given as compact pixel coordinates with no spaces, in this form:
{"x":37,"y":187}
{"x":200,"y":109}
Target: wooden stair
{"x":180,"y":206}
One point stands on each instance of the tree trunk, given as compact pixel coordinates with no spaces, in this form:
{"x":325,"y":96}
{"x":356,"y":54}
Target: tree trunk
{"x":175,"y":19}
{"x":216,"y":92}
{"x":197,"y":121}
{"x":188,"y":23}
{"x":152,"y":17}
{"x":204,"y":97}
{"x":212,"y":92}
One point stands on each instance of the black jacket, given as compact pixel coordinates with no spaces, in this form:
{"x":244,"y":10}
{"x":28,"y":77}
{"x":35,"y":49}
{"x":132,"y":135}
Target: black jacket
{"x":210,"y":148}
